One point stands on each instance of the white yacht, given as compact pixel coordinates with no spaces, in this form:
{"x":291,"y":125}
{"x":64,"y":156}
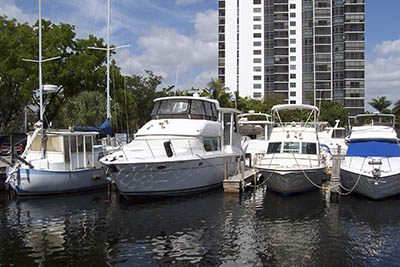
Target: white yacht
{"x":333,"y":137}
{"x":255,"y":129}
{"x":57,"y":161}
{"x":371,"y":166}
{"x":189,"y":145}
{"x":293,"y":163}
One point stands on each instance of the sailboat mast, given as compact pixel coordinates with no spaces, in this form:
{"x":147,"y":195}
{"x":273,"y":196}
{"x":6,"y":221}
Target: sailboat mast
{"x":40,"y":61}
{"x":108,"y":61}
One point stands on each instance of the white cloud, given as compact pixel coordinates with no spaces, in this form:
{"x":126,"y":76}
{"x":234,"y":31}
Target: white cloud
{"x":188,"y":2}
{"x":164,"y":49}
{"x":383,"y":72}
{"x":8,"y":8}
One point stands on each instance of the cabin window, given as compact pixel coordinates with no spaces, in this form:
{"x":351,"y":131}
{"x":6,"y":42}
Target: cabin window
{"x":339,"y":133}
{"x":155,"y":108}
{"x":36,"y":144}
{"x":88,"y":145}
{"x":274,"y":147}
{"x":80,"y":143}
{"x":66,"y":149}
{"x":211,"y":143}
{"x":168,"y":149}
{"x":308,"y":148}
{"x":209,"y":113}
{"x":174,"y":107}
{"x":197,"y":108}
{"x":54,"y":144}
{"x":291,"y":147}
{"x":72,"y":141}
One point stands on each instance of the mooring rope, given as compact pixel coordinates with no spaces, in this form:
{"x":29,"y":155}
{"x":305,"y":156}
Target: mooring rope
{"x":355,"y":185}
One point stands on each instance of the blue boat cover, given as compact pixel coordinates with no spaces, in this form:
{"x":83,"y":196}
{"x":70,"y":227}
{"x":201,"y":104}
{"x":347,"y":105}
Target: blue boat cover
{"x":373,"y":149}
{"x":105,"y":128}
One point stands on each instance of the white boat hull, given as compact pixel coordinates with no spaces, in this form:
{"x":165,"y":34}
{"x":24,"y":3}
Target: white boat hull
{"x":371,"y":187}
{"x":43,"y":182}
{"x":170,"y":178}
{"x":293,"y":181}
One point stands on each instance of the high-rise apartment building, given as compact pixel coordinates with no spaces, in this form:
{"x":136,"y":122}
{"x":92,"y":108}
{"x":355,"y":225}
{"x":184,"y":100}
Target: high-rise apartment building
{"x":303,"y":50}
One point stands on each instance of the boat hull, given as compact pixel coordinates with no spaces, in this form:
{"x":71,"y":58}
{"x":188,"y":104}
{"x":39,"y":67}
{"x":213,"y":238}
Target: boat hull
{"x":42,"y":182}
{"x":172,"y":178}
{"x":290,"y":182}
{"x":371,"y":187}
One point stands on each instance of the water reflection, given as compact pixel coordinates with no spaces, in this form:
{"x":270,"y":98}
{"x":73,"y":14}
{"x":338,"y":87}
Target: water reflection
{"x":209,"y":229}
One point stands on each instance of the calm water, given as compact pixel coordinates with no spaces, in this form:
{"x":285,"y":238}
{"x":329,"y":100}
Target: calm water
{"x":209,"y":229}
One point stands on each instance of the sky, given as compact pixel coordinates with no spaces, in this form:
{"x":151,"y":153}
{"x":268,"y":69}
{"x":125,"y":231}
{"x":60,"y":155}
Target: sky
{"x":177,"y":39}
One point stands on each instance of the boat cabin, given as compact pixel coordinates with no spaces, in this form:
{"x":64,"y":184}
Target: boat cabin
{"x":63,"y":150}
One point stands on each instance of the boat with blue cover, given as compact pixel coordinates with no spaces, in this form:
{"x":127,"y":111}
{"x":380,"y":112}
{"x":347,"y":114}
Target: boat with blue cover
{"x":371,"y":166}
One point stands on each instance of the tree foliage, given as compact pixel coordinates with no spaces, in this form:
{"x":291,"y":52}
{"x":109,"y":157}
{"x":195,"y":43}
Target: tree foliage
{"x":381,"y":104}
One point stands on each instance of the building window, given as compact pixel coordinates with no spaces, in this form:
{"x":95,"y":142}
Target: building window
{"x":257,"y":52}
{"x":257,"y":10}
{"x":292,"y":67}
{"x":257,"y":18}
{"x":256,"y":95}
{"x":257,"y":26}
{"x":292,"y":101}
{"x":257,"y":2}
{"x":257,"y":43}
{"x":257,"y":78}
{"x":292,"y":32}
{"x":293,"y":58}
{"x":257,"y":86}
{"x":257,"y":35}
{"x":257,"y":60}
{"x":292,"y":6}
{"x":292,"y":76}
{"x":257,"y":69}
{"x":292,"y":41}
{"x":293,"y":93}
{"x":293,"y":23}
{"x":293,"y":50}
{"x":292,"y":15}
{"x":292,"y":85}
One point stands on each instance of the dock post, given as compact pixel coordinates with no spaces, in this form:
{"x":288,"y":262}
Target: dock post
{"x":226,"y":170}
{"x":334,"y":188}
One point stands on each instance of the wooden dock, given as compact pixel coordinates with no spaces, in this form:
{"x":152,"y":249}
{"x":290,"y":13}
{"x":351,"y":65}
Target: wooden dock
{"x":239,"y":182}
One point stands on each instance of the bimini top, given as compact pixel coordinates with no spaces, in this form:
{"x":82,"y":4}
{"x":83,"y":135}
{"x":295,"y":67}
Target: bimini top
{"x":373,"y":116}
{"x":294,"y":106}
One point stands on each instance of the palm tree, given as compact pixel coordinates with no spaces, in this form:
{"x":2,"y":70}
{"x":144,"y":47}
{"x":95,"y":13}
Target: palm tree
{"x":218,"y":92}
{"x":380,"y":104}
{"x":396,"y":108}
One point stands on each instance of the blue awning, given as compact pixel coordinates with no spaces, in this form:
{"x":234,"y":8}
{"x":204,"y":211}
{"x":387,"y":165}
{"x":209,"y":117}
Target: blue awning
{"x":373,"y":149}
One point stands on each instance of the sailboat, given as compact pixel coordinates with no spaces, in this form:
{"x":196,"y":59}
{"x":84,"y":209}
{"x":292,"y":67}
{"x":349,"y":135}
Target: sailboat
{"x":56,"y":161}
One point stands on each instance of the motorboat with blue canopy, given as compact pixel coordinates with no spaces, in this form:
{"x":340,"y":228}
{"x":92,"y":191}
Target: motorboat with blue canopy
{"x":371,"y":166}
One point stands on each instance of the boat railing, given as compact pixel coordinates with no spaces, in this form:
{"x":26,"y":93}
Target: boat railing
{"x":171,"y":147}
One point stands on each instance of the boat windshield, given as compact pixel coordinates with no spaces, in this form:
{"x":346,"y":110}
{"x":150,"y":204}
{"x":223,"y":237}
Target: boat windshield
{"x":292,"y":147}
{"x":184,"y":108}
{"x":339,"y":133}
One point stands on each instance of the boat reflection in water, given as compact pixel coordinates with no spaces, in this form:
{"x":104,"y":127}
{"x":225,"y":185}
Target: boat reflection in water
{"x":207,"y":229}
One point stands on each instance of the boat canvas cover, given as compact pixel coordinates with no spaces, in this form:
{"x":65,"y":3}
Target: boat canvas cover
{"x":373,"y":149}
